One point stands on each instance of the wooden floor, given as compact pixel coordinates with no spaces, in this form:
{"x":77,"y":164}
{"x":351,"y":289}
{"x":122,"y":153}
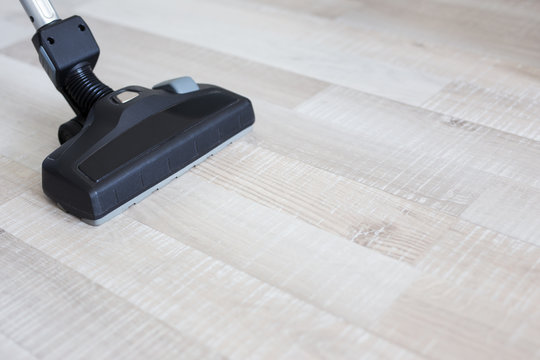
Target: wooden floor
{"x":386,"y":205}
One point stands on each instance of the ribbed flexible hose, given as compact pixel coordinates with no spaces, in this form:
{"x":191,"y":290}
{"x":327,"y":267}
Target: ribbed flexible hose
{"x":84,"y":88}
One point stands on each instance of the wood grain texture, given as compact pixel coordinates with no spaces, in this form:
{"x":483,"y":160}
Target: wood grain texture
{"x":58,"y":324}
{"x":229,"y":310}
{"x":386,"y":205}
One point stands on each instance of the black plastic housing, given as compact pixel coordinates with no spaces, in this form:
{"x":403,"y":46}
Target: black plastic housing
{"x":69,"y":52}
{"x":125,"y":149}
{"x":59,"y":40}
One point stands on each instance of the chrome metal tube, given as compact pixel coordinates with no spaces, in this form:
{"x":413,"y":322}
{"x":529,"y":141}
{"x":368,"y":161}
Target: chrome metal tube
{"x":41,"y":12}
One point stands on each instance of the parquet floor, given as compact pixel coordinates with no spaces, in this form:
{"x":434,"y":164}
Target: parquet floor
{"x":386,"y":205}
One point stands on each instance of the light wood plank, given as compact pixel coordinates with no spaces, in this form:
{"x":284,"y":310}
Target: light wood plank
{"x":426,"y":157}
{"x":487,"y":263}
{"x":512,"y":112}
{"x":14,"y":24}
{"x":305,"y":261}
{"x":10,"y":350}
{"x":443,"y":321}
{"x":487,"y":150}
{"x":394,"y":227}
{"x":509,"y":208}
{"x":173,"y":58}
{"x":290,"y":45}
{"x":15,"y":179}
{"x":53,"y":312}
{"x":339,"y":8}
{"x":503,"y":80}
{"x":31,"y":112}
{"x":507,"y":83}
{"x":493,"y":29}
{"x":486,"y":306}
{"x":489,"y":267}
{"x":192,"y":292}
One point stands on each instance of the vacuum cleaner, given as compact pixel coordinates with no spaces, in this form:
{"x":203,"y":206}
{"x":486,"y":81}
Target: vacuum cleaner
{"x":123,"y":145}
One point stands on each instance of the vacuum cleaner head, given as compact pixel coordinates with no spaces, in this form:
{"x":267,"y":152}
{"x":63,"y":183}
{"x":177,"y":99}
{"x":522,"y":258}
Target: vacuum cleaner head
{"x":124,"y":144}
{"x":134,"y":141}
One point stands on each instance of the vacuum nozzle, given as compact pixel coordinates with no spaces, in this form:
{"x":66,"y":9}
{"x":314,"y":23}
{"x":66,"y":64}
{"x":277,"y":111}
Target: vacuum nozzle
{"x":41,"y":12}
{"x":123,"y":145}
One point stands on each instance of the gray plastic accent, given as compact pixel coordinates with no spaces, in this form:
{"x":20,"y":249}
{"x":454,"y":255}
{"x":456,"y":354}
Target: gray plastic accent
{"x":148,"y":192}
{"x":47,"y":64}
{"x":182,"y":85}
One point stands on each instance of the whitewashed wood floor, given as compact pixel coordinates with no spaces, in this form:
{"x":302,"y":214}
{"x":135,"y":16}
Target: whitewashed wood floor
{"x":387,"y":204}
